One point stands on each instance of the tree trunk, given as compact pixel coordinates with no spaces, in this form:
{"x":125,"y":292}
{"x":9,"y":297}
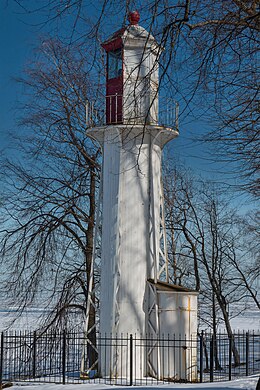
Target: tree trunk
{"x":214,"y":326}
{"x":235,"y":352}
{"x":91,"y":330}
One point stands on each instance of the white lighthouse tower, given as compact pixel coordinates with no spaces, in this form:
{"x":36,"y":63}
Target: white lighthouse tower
{"x":133,"y":253}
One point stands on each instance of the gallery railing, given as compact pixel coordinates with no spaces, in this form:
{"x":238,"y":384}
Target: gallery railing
{"x":132,"y":111}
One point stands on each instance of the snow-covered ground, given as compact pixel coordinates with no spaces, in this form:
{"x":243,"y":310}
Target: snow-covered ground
{"x":29,"y":320}
{"x":248,"y":320}
{"x":239,"y":384}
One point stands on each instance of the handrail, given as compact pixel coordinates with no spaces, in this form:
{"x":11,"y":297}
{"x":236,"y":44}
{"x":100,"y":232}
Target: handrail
{"x":168,"y":113}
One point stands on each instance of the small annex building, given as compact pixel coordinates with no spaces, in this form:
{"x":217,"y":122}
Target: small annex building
{"x":176,"y":311}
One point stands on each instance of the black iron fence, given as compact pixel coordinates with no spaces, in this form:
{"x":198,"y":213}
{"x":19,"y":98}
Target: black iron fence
{"x":68,"y":357}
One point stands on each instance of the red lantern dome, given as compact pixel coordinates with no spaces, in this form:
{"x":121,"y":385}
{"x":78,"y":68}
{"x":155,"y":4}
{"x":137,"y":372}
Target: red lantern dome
{"x":134,"y":17}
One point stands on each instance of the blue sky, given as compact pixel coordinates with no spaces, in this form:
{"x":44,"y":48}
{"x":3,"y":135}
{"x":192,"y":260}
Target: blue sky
{"x":19,"y":33}
{"x":17,"y":39}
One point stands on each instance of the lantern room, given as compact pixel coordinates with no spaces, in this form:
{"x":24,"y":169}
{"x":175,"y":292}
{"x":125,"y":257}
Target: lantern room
{"x":132,"y":75}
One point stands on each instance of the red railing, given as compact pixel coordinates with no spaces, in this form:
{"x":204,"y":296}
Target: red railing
{"x":114,"y":109}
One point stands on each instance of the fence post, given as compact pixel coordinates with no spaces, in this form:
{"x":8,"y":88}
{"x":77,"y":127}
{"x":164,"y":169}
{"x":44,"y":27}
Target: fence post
{"x":247,"y":353}
{"x":212,"y":342}
{"x":1,"y":359}
{"x":230,"y":358}
{"x":64,"y":358}
{"x":131,"y":360}
{"x":201,"y":356}
{"x":34,"y":355}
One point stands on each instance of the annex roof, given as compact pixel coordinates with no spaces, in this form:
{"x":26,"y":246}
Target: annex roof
{"x":171,"y":287}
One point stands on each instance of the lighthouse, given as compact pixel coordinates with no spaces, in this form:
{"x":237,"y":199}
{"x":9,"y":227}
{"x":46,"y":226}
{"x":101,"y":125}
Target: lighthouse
{"x":134,"y":264}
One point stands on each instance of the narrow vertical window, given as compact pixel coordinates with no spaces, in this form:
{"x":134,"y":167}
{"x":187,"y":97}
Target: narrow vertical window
{"x":114,"y":64}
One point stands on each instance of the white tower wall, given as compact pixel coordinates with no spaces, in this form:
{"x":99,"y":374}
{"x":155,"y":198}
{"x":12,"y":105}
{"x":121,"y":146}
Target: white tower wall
{"x":131,"y":220}
{"x":110,"y":237}
{"x":130,"y":228}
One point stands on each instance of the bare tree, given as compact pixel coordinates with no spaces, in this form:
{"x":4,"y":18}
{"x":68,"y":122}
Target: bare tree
{"x":50,"y":189}
{"x":210,"y":235}
{"x":246,"y":259}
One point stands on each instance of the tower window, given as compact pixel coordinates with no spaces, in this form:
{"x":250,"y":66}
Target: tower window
{"x":114,"y":64}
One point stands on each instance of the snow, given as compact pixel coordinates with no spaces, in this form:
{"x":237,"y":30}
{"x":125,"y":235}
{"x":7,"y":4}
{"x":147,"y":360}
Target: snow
{"x":248,"y":383}
{"x":29,"y":320}
{"x":249,"y":321}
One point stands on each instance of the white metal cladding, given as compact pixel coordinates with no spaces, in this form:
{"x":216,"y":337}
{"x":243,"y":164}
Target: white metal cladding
{"x":134,"y":250}
{"x":131,"y":228}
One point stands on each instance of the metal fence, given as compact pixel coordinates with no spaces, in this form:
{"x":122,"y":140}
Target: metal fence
{"x":68,"y":357}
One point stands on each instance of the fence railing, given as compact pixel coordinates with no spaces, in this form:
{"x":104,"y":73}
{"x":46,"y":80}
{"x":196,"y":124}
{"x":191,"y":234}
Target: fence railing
{"x":68,"y":357}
